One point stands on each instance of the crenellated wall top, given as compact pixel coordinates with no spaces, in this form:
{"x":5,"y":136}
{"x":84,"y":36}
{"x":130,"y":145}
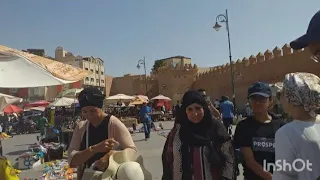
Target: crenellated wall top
{"x":186,"y":67}
{"x":142,"y":77}
{"x":268,"y":55}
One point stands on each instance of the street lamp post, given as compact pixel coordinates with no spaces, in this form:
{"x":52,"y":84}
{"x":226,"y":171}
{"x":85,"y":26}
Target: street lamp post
{"x":223,"y":18}
{"x":143,"y":62}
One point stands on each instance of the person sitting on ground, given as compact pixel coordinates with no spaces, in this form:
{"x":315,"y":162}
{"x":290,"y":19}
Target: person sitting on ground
{"x":299,"y":139}
{"x":97,"y":135}
{"x":198,"y":147}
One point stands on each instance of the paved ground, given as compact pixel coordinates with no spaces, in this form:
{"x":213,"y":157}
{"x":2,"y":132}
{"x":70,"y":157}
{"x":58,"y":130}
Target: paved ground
{"x":151,"y":151}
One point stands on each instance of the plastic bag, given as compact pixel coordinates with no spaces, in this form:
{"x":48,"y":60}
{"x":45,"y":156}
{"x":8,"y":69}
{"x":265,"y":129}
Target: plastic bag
{"x":9,"y":172}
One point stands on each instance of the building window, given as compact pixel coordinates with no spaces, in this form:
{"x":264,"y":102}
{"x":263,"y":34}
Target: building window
{"x":102,"y":81}
{"x":91,"y":70}
{"x":97,"y":72}
{"x":101,"y":72}
{"x":87,"y":79}
{"x":86,"y":69}
{"x":97,"y":80}
{"x":92,"y":80}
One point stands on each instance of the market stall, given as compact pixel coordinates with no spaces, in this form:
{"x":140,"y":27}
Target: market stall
{"x":37,"y":71}
{"x":160,"y":113}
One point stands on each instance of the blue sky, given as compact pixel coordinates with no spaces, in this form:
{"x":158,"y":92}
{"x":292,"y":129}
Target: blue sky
{"x":123,"y":31}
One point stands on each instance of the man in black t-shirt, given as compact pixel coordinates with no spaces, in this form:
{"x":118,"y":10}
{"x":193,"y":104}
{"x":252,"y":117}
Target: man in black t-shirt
{"x":255,"y":135}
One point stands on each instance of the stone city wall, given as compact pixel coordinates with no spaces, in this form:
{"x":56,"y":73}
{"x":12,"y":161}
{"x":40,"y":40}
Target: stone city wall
{"x":269,"y":67}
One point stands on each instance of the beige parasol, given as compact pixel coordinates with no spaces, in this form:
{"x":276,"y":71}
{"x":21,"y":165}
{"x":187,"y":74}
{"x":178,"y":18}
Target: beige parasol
{"x":19,"y":69}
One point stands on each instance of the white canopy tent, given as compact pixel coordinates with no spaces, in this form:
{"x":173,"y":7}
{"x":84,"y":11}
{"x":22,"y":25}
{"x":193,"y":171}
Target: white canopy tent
{"x":34,"y":71}
{"x":161,"y":97}
{"x":64,"y":101}
{"x":70,"y":93}
{"x":5,"y":100}
{"x":119,"y":97}
{"x":142,"y":97}
{"x":34,"y":108}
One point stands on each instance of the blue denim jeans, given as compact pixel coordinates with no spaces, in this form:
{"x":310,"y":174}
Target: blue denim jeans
{"x":147,"y":129}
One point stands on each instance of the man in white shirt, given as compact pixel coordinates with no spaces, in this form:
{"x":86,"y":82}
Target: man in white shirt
{"x":213,"y":110}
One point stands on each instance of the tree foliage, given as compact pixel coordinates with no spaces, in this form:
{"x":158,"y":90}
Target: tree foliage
{"x":158,"y":64}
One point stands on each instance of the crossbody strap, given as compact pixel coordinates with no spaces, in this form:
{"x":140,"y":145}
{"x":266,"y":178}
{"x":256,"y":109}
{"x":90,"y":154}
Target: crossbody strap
{"x":107,"y":118}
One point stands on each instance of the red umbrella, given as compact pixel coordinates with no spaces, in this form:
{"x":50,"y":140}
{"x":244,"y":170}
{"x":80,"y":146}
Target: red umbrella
{"x":11,"y":109}
{"x":37,"y":104}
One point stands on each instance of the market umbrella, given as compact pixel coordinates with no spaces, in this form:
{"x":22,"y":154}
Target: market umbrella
{"x":119,"y":97}
{"x":70,"y":93}
{"x":161,"y":97}
{"x":35,"y":108}
{"x":41,"y":103}
{"x":138,"y":102}
{"x":142,"y":97}
{"x":12,"y":109}
{"x":5,"y":100}
{"x":34,"y":71}
{"x":64,"y":101}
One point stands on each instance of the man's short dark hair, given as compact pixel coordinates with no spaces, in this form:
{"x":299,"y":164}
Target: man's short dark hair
{"x":201,"y":90}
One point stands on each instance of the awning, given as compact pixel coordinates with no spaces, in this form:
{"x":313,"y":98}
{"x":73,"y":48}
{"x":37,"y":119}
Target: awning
{"x":20,"y":69}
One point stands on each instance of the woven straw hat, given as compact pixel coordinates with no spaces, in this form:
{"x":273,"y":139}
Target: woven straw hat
{"x":126,"y":165}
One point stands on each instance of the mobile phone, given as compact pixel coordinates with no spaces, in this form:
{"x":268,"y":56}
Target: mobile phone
{"x":208,"y":98}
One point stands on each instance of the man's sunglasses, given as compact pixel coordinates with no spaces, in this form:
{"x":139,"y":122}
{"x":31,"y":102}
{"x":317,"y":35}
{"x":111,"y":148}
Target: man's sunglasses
{"x":316,"y":56}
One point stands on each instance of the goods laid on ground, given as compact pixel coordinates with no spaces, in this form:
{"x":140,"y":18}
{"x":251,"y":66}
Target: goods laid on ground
{"x":164,"y":134}
{"x":7,"y":171}
{"x":59,"y":170}
{"x":140,"y":129}
{"x":26,"y":160}
{"x":4,"y":136}
{"x":129,"y":121}
{"x":55,"y":168}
